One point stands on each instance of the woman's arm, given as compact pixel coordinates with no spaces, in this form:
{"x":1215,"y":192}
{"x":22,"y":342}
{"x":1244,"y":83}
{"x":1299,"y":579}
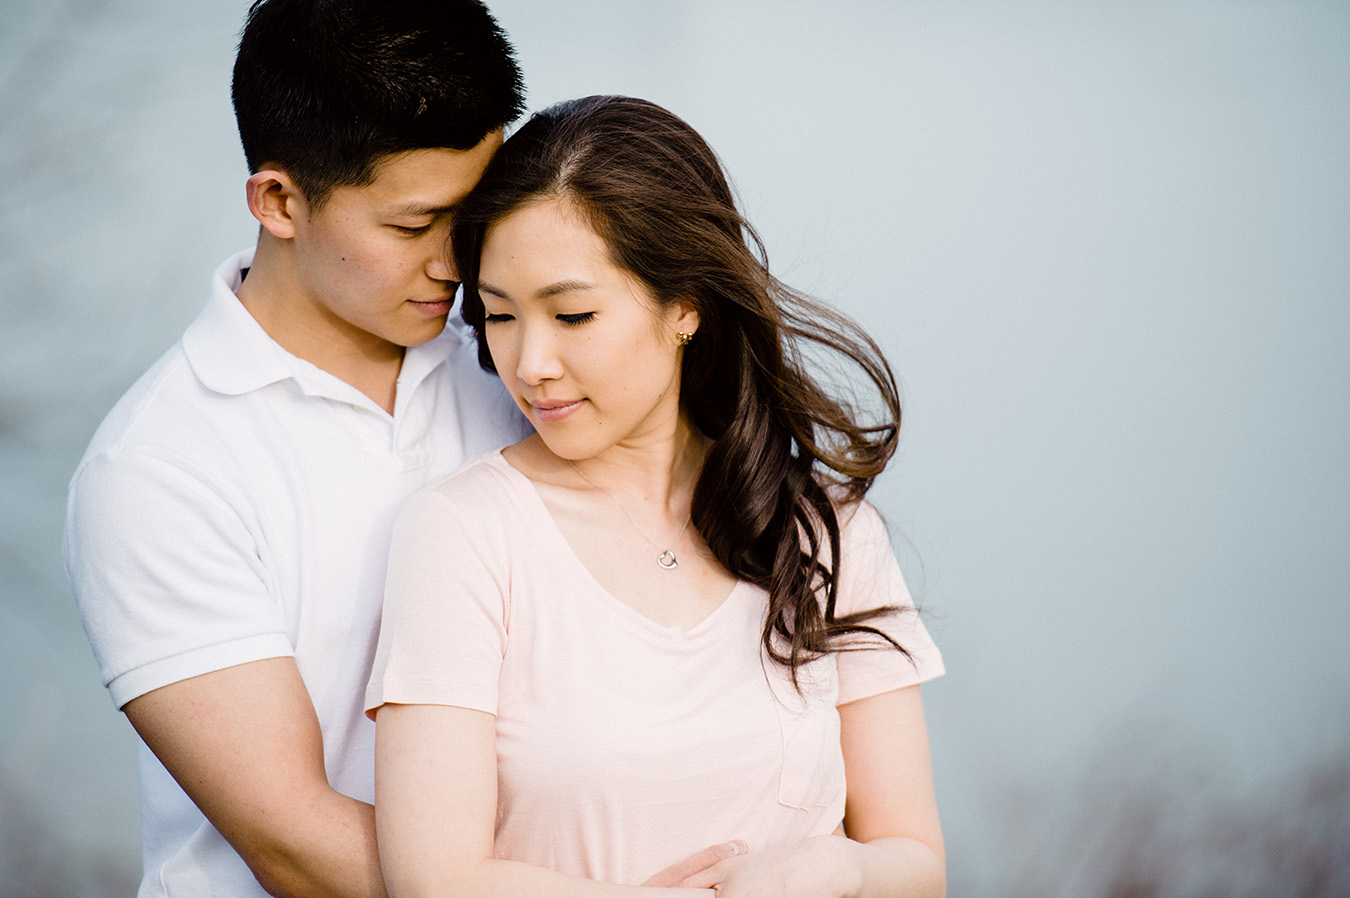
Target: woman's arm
{"x":436,"y":806}
{"x":892,"y":810}
{"x":894,"y":845}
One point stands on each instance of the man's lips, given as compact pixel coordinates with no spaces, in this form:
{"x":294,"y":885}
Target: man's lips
{"x":434,"y":307}
{"x":555,"y":409}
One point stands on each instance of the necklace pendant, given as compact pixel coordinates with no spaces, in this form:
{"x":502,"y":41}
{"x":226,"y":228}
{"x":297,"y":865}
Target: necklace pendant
{"x":667,"y":560}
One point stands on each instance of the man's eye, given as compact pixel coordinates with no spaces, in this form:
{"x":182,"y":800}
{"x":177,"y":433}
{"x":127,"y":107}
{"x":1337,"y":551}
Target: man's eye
{"x":412,"y":232}
{"x":576,"y":318}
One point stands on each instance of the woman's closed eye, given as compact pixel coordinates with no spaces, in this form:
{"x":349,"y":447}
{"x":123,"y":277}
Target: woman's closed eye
{"x":571,"y":319}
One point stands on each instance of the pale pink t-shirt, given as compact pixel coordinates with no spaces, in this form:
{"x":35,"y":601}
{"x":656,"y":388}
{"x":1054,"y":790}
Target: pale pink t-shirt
{"x":623,"y":745}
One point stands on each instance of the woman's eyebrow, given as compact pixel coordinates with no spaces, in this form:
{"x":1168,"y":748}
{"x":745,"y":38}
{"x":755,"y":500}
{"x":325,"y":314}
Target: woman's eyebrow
{"x":567,"y":286}
{"x":555,"y":289}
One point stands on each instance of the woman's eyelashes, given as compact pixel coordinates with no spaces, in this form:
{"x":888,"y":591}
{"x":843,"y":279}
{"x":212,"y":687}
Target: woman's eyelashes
{"x":571,"y":319}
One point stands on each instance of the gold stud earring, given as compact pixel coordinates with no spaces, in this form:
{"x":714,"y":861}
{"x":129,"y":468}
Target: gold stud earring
{"x":684,"y":337}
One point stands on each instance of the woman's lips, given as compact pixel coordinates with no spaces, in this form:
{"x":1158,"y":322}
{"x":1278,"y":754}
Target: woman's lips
{"x":555,"y":409}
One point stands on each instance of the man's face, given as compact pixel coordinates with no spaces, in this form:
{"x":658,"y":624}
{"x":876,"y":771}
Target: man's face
{"x":372,"y":260}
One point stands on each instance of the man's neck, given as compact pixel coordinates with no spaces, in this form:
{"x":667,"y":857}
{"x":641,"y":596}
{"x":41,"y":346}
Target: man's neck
{"x":277,"y":301}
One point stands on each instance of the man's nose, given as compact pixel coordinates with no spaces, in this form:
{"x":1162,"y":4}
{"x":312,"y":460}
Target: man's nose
{"x":441,"y":267}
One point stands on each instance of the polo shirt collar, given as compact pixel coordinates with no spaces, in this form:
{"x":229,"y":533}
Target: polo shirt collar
{"x":231,"y":353}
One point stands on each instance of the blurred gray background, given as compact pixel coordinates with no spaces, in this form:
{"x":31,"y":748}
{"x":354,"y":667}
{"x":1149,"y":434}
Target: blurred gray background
{"x":1107,"y":247}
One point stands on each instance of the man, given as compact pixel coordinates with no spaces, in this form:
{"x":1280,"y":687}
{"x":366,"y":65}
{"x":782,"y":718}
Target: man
{"x":228,"y":525}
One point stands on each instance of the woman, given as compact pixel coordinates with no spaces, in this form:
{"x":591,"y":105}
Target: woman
{"x":668,"y":618}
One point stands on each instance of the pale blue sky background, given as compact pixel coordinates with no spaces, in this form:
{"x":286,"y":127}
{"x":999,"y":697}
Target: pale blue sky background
{"x":1106,"y":245}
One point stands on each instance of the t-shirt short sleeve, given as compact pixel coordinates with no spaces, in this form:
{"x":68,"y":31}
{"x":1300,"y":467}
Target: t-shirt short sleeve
{"x":167,"y":574}
{"x":870,"y":578}
{"x":443,"y":633}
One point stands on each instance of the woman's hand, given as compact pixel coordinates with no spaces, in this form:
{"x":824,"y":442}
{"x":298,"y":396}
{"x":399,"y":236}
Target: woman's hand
{"x":683,"y":873}
{"x":818,"y":867}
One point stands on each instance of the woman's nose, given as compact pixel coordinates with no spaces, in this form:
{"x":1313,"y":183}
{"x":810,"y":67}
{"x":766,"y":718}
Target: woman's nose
{"x":538,"y":360}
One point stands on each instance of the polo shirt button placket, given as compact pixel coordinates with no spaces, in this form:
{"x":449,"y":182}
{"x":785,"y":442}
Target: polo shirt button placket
{"x":412,"y":437}
{"x":373,"y":430}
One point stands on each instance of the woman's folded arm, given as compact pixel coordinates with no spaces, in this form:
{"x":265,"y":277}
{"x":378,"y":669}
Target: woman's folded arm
{"x":436,"y":808}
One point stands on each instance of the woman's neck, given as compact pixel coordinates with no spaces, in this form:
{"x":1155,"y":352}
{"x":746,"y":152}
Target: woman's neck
{"x":661,"y":472}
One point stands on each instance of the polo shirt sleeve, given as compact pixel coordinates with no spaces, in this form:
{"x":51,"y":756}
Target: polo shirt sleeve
{"x":168,"y":577}
{"x":443,"y":633}
{"x":869,"y":577}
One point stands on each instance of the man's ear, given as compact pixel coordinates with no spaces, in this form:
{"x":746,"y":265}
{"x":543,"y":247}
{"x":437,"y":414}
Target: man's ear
{"x":276,"y":202}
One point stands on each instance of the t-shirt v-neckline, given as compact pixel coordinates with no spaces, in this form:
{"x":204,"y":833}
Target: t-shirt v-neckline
{"x":548,"y":527}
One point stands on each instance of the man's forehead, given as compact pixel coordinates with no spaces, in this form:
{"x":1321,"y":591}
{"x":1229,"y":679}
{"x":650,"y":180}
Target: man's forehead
{"x":428,"y":181}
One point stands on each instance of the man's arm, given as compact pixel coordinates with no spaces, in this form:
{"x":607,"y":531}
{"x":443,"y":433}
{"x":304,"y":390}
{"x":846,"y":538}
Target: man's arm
{"x":245,"y":745}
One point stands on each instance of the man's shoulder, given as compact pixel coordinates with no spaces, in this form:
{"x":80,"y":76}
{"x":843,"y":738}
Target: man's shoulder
{"x":168,"y":403}
{"x":162,"y":403}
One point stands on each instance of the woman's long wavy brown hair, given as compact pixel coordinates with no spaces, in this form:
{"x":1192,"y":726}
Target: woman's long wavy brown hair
{"x":785,"y":453}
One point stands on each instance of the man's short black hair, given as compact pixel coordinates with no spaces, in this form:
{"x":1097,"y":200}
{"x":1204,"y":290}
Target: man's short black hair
{"x":324,"y":89}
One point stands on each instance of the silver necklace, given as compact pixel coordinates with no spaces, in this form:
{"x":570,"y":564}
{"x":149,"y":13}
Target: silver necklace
{"x":667,"y":558}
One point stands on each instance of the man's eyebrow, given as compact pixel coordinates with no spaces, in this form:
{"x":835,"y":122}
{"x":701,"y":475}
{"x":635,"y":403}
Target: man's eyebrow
{"x":567,"y":286}
{"x":415,"y":209}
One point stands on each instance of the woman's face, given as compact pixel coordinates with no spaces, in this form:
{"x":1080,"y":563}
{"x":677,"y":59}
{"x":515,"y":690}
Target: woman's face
{"x":589,"y":356}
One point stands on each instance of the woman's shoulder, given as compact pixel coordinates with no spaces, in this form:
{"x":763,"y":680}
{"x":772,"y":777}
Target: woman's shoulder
{"x":479,"y":510}
{"x":858,"y":519}
{"x":483,"y":474}
{"x":484,"y":489}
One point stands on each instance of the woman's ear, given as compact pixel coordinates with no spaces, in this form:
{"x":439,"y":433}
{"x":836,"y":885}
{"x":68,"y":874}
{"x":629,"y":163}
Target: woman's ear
{"x":276,"y":202}
{"x":686,"y":321}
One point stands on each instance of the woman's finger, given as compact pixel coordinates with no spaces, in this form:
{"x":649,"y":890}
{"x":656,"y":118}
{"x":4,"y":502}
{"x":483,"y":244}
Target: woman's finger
{"x":678,"y":874}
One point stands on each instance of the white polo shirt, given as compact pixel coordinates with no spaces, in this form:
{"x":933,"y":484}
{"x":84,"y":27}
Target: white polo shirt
{"x":236,"y":505}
